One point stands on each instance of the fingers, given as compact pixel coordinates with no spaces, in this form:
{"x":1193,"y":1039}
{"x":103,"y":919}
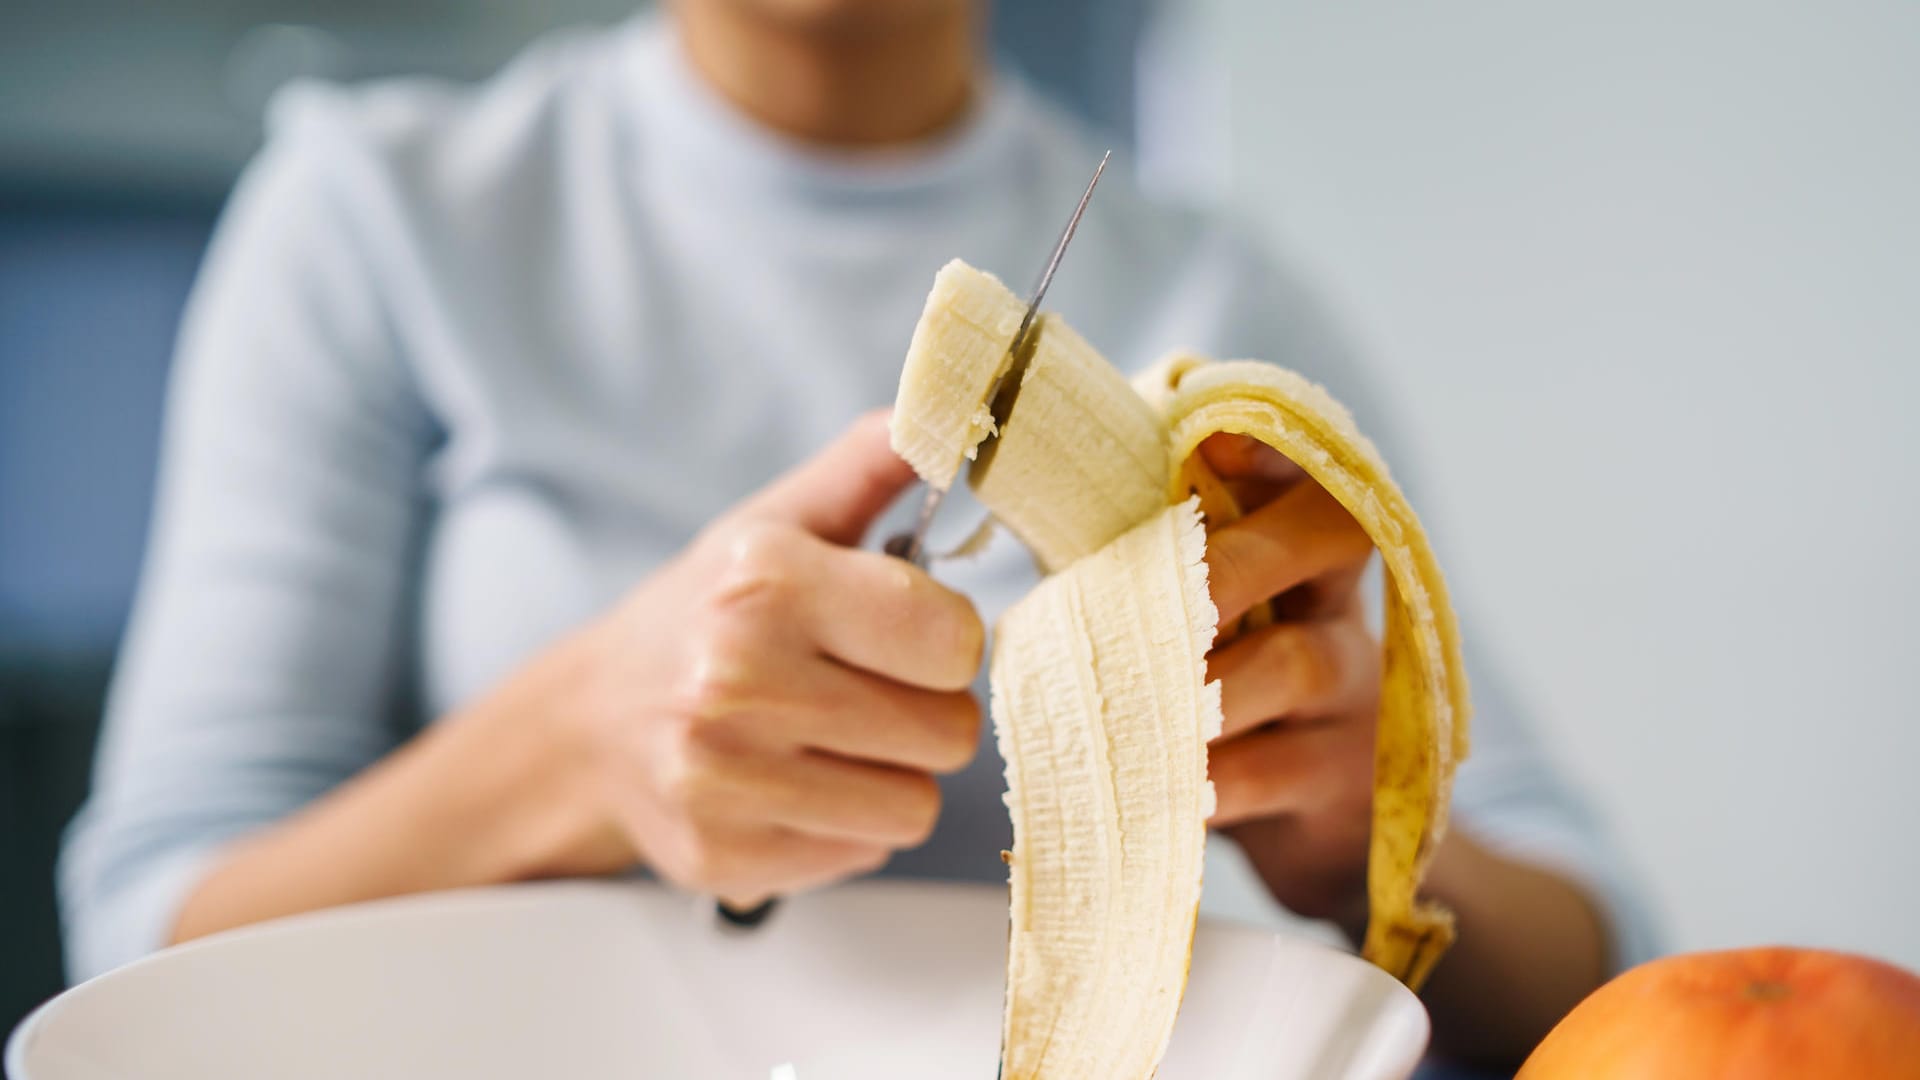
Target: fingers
{"x":868,"y":610}
{"x":725,"y":778}
{"x":886,"y":616}
{"x":838,"y":492}
{"x":744,"y":823}
{"x":1334,"y":594}
{"x":1286,"y":670}
{"x":806,"y":690}
{"x":1301,"y":536}
{"x":1284,"y":770}
{"x":1253,"y":473}
{"x":857,"y":716}
{"x":818,"y":795}
{"x":745,"y":865}
{"x":788,"y":560}
{"x":1243,"y":457}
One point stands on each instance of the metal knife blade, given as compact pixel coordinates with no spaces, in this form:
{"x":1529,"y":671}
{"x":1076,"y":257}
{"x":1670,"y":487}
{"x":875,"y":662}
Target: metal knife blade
{"x":912,"y":546}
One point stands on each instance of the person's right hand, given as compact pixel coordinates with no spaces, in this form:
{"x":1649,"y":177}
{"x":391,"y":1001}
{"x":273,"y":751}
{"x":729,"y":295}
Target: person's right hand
{"x":767,"y":711}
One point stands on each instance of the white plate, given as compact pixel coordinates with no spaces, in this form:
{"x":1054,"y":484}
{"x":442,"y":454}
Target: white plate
{"x":626,"y":980}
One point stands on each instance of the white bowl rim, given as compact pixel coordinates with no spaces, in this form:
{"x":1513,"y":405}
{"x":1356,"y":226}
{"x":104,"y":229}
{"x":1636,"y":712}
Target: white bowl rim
{"x":14,"y":1061}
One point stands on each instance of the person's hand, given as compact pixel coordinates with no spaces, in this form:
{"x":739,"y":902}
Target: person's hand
{"x":767,"y":712}
{"x":1293,"y":767}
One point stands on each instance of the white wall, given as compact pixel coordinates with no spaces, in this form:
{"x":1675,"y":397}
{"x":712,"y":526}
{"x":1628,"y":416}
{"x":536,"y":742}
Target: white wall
{"x":1646,"y":277}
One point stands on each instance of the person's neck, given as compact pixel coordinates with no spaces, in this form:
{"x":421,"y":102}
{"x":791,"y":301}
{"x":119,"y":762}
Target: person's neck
{"x":867,"y":87}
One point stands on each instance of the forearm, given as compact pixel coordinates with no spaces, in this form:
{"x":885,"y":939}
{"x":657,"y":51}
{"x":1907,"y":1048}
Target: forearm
{"x":1531,"y":945}
{"x":478,"y":798}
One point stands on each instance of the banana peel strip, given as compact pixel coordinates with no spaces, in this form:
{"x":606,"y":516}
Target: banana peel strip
{"x":1100,"y":703}
{"x":1422,"y":733}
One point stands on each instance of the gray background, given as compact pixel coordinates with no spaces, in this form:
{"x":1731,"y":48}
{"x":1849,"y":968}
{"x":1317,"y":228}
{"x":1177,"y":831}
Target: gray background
{"x":1646,"y":275}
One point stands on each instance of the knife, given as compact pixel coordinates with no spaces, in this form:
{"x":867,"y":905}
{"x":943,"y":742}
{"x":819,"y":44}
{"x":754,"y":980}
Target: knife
{"x":911,"y":545}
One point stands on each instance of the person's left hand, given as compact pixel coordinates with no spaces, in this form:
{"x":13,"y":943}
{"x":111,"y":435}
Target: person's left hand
{"x":1293,"y":766}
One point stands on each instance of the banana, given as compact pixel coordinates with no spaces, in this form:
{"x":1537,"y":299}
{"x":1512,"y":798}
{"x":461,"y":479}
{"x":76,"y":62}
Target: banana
{"x":1082,"y":459}
{"x":1101,"y":706}
{"x":1104,"y":667}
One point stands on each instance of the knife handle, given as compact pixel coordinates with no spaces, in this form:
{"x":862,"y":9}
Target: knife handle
{"x":744,"y":918}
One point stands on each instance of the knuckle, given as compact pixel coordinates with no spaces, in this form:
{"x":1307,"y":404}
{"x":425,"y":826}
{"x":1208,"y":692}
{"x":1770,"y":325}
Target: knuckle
{"x":757,"y":567}
{"x":717,"y":681}
{"x":685,"y":777}
{"x":706,"y":692}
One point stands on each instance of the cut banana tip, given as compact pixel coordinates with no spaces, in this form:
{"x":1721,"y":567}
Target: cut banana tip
{"x":1100,"y":702}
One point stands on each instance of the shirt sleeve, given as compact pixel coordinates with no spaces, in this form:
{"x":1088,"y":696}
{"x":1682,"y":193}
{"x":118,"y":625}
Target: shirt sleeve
{"x":1508,"y":794}
{"x":265,"y":657}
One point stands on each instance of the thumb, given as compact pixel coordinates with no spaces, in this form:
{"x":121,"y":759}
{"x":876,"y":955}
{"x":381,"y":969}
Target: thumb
{"x":838,"y":492}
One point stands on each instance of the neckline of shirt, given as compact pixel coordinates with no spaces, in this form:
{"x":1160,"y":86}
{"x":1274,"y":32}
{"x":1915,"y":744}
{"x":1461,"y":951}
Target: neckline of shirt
{"x":685,"y":118}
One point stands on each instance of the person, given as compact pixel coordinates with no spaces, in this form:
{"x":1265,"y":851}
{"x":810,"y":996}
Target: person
{"x":474,"y":559}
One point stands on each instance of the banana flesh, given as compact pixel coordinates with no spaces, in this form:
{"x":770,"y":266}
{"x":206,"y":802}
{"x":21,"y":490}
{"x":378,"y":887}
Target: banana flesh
{"x":1100,"y":703}
{"x":1104,"y":667}
{"x":1082,"y":458}
{"x":958,"y":353}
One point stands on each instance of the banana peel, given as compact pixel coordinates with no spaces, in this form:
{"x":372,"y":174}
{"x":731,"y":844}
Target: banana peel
{"x":1101,"y":706}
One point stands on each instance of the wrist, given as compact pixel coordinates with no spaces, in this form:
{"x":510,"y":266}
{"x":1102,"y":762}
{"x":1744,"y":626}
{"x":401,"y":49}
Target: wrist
{"x":484,"y":797}
{"x":1306,"y":878}
{"x":534,"y":805}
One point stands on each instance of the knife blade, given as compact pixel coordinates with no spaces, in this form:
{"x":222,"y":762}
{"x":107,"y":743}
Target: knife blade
{"x":912,"y":546}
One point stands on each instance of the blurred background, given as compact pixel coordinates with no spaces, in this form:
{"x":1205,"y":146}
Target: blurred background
{"x":1645,"y":277}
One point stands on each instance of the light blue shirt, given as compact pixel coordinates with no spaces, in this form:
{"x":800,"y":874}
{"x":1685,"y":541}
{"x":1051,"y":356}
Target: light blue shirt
{"x":465,"y":364}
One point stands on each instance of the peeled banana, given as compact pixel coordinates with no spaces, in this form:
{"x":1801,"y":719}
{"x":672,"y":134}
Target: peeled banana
{"x":1100,"y":703}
